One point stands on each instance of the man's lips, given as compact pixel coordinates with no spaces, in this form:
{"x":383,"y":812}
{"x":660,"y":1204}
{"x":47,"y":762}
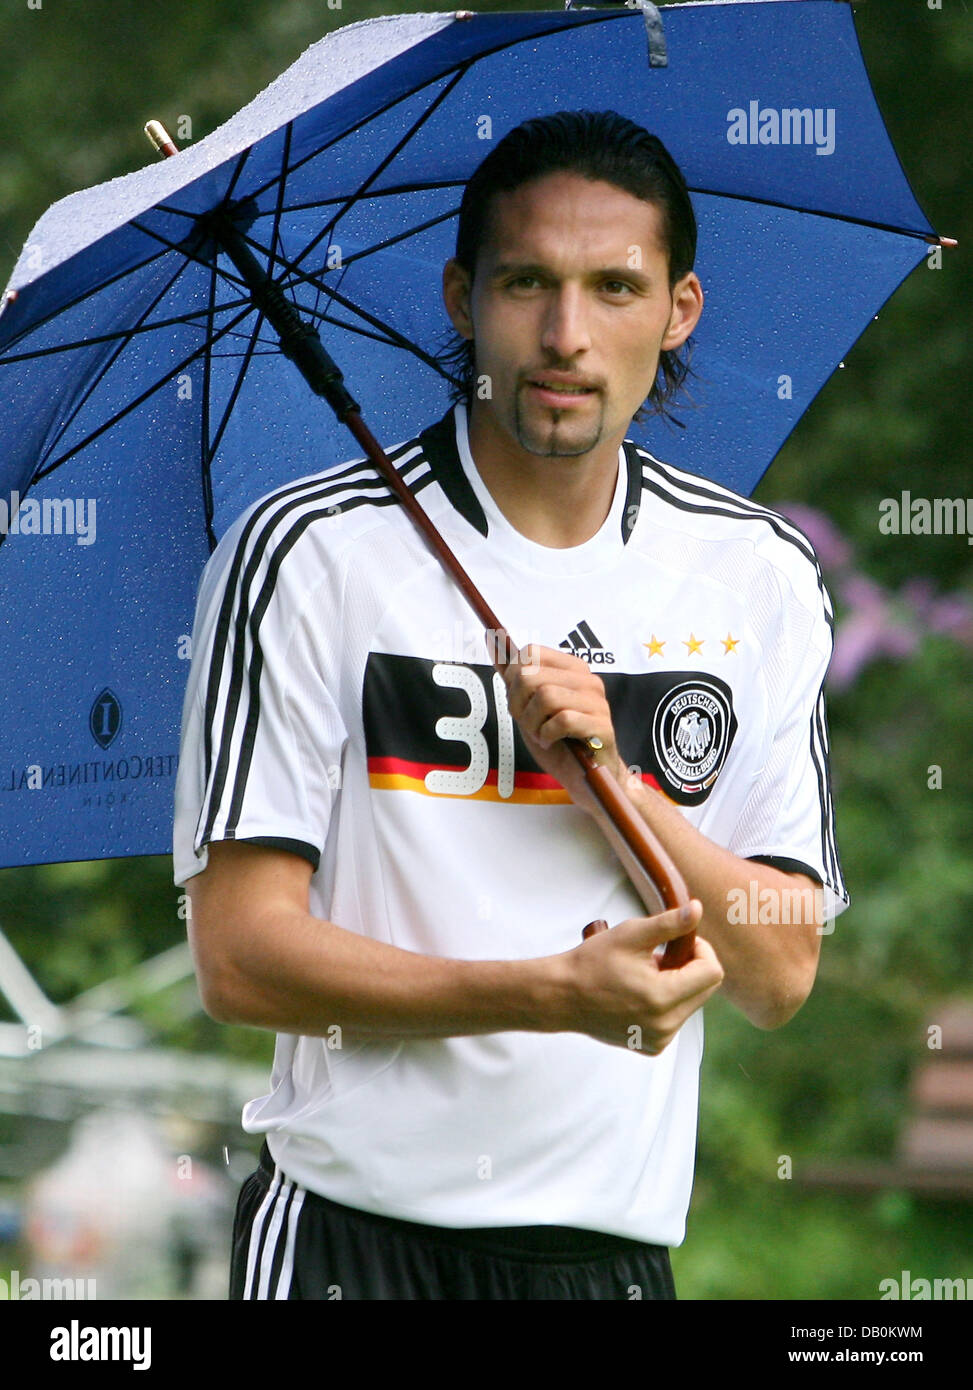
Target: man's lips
{"x":558,"y":389}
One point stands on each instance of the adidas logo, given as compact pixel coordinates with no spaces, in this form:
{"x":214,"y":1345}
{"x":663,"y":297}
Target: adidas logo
{"x":581,"y":641}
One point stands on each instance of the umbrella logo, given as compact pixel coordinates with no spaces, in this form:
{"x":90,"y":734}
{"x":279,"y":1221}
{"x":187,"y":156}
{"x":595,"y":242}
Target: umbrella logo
{"x":105,"y":718}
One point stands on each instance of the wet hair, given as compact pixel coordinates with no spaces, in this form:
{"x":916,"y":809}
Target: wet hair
{"x":598,"y":145}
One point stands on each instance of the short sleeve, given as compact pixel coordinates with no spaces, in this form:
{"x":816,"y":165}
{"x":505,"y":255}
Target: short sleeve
{"x":788,"y":817}
{"x":262,"y":738}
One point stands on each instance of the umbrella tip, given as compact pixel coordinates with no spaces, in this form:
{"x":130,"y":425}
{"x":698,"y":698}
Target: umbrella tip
{"x":160,"y":139}
{"x":463,"y":14}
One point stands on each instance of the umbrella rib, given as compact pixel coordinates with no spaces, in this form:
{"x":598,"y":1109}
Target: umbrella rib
{"x":811,"y":212}
{"x":379,"y":245}
{"x":272,"y":260}
{"x":205,"y":451}
{"x":275,"y":239}
{"x":284,"y":158}
{"x":393,"y":190}
{"x":390,"y":342}
{"x":399,"y":236}
{"x":237,"y":386}
{"x":234,"y":179}
{"x":133,"y":405}
{"x":107,"y":365}
{"x":88,"y":294}
{"x":269,"y":348}
{"x":185,"y":319}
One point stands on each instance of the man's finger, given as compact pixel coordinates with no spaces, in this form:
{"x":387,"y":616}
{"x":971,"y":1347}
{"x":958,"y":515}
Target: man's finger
{"x":533,"y":656}
{"x":666,"y":926}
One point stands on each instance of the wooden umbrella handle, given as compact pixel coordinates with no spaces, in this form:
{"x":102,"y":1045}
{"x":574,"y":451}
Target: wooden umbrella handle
{"x":651,"y":870}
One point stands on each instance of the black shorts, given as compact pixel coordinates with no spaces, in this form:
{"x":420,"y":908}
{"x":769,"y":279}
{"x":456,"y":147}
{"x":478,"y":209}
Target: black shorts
{"x":289,"y":1243}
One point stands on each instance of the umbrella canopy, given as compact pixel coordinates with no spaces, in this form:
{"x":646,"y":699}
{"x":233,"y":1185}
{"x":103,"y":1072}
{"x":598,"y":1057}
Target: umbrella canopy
{"x":146,"y":403}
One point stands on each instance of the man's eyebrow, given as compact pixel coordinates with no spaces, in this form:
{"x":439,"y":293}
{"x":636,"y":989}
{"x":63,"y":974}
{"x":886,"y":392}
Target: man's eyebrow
{"x":625,"y":272}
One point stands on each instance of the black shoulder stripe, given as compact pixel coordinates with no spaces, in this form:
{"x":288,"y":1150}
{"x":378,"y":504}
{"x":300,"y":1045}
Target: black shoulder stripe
{"x":757,"y":514}
{"x":285,"y":498}
{"x":745,"y":506}
{"x":819,"y":730}
{"x":271,"y":513}
{"x":254,"y":667}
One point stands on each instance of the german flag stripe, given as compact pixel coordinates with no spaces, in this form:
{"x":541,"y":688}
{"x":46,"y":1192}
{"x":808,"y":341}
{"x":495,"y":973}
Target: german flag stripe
{"x":536,"y":788}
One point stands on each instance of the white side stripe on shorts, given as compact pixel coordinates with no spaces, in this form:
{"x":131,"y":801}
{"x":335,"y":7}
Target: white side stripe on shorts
{"x":274,"y":1224}
{"x":283,"y":1196}
{"x":255,"y":1231}
{"x":287,"y":1268}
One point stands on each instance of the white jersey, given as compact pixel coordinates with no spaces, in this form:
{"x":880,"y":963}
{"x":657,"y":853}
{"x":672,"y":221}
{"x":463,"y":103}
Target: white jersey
{"x":342,"y":704}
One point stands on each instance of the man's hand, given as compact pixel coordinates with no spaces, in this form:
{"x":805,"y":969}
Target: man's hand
{"x":769,"y":969}
{"x":552,"y":696}
{"x":621,"y":995}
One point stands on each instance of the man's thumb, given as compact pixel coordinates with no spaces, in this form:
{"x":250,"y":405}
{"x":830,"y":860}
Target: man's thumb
{"x":677,"y":921}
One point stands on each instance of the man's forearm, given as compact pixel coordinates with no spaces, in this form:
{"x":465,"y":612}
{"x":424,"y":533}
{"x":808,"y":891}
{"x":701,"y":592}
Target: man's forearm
{"x":296,"y":973}
{"x":262,"y":959}
{"x":770,"y":966}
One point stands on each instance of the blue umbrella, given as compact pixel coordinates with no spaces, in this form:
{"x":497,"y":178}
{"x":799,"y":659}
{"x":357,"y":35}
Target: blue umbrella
{"x":146,"y":404}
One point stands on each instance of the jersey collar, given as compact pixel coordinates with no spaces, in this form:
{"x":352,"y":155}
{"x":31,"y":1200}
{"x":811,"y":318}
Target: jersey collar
{"x":446,"y":448}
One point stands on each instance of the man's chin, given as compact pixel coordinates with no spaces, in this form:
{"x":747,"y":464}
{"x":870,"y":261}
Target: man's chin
{"x":559,"y":436}
{"x":557,"y":448}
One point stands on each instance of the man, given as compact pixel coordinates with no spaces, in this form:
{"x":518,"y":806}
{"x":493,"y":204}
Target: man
{"x":390,"y":854}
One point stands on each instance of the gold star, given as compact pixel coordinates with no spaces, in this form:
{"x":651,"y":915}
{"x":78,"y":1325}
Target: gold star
{"x":730,"y":643}
{"x":655,"y":646}
{"x":693,"y":645}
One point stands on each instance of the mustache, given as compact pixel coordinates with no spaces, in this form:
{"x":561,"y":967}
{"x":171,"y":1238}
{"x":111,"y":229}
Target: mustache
{"x":576,"y":378}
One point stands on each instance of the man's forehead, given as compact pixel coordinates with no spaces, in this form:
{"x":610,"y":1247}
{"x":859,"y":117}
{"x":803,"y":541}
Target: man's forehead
{"x":559,"y":210}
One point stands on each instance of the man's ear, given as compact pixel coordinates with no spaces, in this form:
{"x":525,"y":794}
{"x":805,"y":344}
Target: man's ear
{"x":456,"y":297}
{"x":687,"y":306}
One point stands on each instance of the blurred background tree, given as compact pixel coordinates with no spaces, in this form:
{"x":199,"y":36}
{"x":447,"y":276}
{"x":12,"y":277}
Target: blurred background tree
{"x":78,"y":84}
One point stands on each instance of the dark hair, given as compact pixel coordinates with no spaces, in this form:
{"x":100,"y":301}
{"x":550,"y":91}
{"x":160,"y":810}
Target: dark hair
{"x":599,"y":145}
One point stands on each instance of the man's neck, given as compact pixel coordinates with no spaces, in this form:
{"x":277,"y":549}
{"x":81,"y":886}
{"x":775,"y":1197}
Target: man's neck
{"x":556,"y":502}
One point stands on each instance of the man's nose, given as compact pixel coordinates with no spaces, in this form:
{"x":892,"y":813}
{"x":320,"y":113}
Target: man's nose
{"x":566,"y":330}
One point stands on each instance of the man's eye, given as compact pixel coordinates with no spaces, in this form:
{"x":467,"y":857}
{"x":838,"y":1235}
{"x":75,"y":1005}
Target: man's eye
{"x":617,"y":287}
{"x":524,"y":282}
